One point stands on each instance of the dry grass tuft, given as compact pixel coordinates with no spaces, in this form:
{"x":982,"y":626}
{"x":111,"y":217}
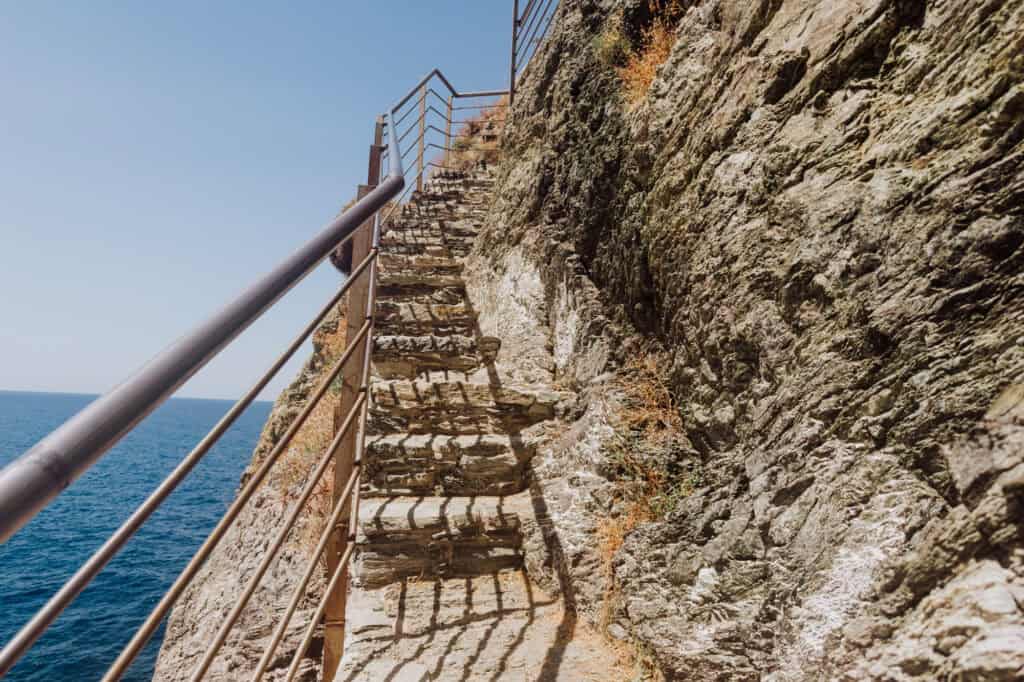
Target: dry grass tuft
{"x":642,"y":65}
{"x":637,"y":67}
{"x":649,"y":405}
{"x":648,"y":422}
{"x":312,"y":440}
{"x":478,"y":138}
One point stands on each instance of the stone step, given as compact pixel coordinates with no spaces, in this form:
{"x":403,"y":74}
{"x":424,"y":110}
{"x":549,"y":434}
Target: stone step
{"x":427,"y":242}
{"x":423,"y":294}
{"x":456,"y":407}
{"x":437,"y":236}
{"x":475,"y":190}
{"x":451,"y":229}
{"x":419,"y":264}
{"x":433,"y":194}
{"x":437,"y":319}
{"x":436,"y":464}
{"x":408,"y":356}
{"x":431,"y":537}
{"x":478,"y":629}
{"x":456,"y":201}
{"x":398,"y":279}
{"x":414,"y":247}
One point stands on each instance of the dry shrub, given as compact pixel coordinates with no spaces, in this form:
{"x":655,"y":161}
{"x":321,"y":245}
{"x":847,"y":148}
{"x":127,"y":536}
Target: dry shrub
{"x":649,"y":406}
{"x":311,"y":441}
{"x":647,"y":422}
{"x":478,"y":138}
{"x":611,"y":534}
{"x":638,"y":67}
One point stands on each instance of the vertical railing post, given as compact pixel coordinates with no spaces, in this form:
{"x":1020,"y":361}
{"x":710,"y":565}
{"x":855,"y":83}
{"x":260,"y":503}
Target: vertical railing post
{"x":448,"y":132}
{"x":352,"y":381}
{"x":423,"y":139}
{"x":515,"y":44}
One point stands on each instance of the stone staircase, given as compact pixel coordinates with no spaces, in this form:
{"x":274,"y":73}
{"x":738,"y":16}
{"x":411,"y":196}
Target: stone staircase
{"x":444,"y":457}
{"x":439,"y":589}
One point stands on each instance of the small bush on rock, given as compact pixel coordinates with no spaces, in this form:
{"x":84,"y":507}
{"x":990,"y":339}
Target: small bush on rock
{"x":611,"y":45}
{"x":648,"y":460}
{"x":638,"y":65}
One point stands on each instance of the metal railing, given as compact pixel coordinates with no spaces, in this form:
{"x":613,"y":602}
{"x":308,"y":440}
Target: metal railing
{"x":529,"y":29}
{"x":29,"y":483}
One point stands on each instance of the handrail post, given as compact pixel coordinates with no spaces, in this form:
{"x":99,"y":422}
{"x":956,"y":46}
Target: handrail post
{"x":352,"y":380}
{"x":423,"y":139}
{"x":448,"y":132}
{"x":512,"y":68}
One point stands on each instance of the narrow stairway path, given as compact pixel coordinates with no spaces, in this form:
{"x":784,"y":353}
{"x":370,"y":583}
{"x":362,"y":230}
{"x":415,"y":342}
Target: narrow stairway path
{"x":439,"y":589}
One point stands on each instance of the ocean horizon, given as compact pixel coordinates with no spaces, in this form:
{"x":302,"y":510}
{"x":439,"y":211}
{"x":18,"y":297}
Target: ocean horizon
{"x":36,"y":561}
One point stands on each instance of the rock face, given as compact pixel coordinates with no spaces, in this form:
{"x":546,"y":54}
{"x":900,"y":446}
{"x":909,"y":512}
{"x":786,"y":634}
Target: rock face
{"x":815,"y":217}
{"x":818,"y":213}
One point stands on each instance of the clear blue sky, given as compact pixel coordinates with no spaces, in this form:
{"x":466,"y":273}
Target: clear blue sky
{"x":155,"y":157}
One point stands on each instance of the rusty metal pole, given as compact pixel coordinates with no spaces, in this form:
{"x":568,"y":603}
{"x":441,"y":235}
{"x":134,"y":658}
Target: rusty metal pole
{"x":448,"y":132}
{"x":515,"y":39}
{"x":362,"y":242}
{"x":423,"y":139}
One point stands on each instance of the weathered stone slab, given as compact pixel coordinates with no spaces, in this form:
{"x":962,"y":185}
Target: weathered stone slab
{"x":455,"y":407}
{"x":482,"y":629}
{"x":436,"y":536}
{"x":417,"y":280}
{"x":423,"y":318}
{"x":425,"y":464}
{"x":408,"y":356}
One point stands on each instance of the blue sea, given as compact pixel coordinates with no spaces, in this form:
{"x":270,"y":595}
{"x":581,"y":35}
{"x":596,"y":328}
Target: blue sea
{"x":34,"y":563}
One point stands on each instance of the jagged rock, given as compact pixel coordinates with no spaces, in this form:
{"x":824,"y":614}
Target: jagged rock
{"x":818,"y":212}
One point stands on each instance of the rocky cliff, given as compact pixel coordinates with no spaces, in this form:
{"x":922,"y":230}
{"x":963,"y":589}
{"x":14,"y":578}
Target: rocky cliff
{"x":779,"y":296}
{"x":811,"y":227}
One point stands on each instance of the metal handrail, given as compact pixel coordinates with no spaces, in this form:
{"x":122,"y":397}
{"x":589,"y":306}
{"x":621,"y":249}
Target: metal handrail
{"x":30,"y":483}
{"x":533,"y":18}
{"x":102,"y":556}
{"x":542,"y":18}
{"x":300,"y":588}
{"x":282,"y":535}
{"x":494,"y":105}
{"x":147,"y":629}
{"x":307,"y":638}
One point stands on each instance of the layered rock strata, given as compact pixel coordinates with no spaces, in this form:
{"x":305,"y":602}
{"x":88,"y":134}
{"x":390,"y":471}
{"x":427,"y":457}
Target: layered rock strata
{"x":817,"y":212}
